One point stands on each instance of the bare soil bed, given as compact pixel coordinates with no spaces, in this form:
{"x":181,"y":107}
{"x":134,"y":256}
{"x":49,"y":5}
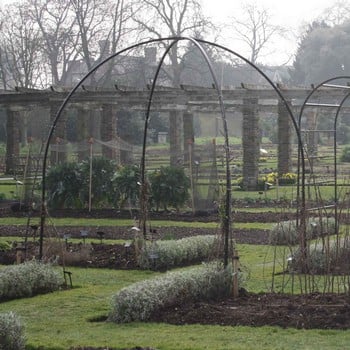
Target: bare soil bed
{"x":322,"y":311}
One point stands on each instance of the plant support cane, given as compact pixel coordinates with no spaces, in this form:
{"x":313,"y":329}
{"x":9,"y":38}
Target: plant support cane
{"x":235,"y":266}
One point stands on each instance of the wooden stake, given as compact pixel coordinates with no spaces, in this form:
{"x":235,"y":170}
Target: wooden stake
{"x":235,"y":265}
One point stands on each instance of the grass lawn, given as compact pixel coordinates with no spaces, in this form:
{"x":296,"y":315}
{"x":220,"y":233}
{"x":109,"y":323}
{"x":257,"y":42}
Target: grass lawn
{"x":129,"y":223}
{"x":63,"y":319}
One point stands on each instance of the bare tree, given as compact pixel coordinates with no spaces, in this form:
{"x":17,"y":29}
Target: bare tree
{"x":101,"y":27}
{"x":255,"y":29}
{"x":173,"y":18}
{"x":59,"y":41}
{"x":338,"y":13}
{"x":21,"y":60}
{"x":117,"y":33}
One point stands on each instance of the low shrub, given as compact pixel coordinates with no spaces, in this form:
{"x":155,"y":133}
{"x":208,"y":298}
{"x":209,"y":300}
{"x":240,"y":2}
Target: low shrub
{"x":169,"y":187}
{"x":27,"y":280}
{"x":11,"y":332}
{"x":162,"y":255}
{"x":140,"y":300}
{"x":320,"y":260}
{"x":262,"y":183}
{"x":287,"y":179}
{"x":285,"y":232}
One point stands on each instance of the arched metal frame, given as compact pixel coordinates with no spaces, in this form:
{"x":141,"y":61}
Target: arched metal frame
{"x":197,"y":42}
{"x":226,"y":220}
{"x":325,"y":83}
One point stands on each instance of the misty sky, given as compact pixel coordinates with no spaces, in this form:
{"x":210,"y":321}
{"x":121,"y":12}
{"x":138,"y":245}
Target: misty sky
{"x":289,"y":14}
{"x":293,"y":15}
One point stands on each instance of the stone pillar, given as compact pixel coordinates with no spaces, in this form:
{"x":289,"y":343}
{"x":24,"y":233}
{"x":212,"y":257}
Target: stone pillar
{"x":126,"y":156}
{"x":175,"y":128}
{"x":250,"y":143}
{"x":213,"y":190}
{"x":188,"y":137}
{"x":13,"y":139}
{"x":311,"y":135}
{"x":284,"y":139}
{"x":58,"y":152}
{"x":83,"y":134}
{"x":108,"y":129}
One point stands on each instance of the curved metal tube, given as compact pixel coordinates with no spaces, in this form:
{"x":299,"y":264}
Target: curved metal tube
{"x":227,"y":217}
{"x":301,"y":156}
{"x":334,"y":128}
{"x":174,"y":39}
{"x":336,"y":162}
{"x":52,"y":129}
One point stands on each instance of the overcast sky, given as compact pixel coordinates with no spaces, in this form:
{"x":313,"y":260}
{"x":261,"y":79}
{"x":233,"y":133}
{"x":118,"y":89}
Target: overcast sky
{"x":291,"y":14}
{"x":285,"y":12}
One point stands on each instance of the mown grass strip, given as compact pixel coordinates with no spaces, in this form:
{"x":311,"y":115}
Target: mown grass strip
{"x":129,"y":223}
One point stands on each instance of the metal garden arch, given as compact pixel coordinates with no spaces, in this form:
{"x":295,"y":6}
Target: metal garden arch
{"x":198,"y":43}
{"x":338,"y":107}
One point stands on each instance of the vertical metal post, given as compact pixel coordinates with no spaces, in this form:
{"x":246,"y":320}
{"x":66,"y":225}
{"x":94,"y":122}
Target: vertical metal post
{"x":91,"y":141}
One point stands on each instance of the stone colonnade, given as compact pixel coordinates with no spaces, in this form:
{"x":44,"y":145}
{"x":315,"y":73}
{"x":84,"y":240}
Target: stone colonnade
{"x":181,"y":130}
{"x":85,"y":114}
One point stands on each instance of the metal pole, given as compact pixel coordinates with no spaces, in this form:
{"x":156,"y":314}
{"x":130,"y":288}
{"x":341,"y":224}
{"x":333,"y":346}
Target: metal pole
{"x":91,"y":141}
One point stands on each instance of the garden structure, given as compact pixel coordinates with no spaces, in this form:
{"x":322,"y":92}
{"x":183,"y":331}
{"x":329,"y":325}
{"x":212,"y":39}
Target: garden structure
{"x":309,"y":246}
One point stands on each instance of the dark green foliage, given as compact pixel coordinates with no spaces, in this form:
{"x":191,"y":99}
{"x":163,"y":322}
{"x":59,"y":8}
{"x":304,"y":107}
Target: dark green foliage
{"x":126,"y":185}
{"x":64,"y":183}
{"x":157,"y":123}
{"x":323,"y":53}
{"x":169,"y":187}
{"x":131,"y":126}
{"x":102,"y":174}
{"x":68,"y":184}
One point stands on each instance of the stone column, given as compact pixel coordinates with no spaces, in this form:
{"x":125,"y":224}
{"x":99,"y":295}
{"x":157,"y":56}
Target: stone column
{"x":108,"y":129}
{"x":83,"y":134}
{"x":59,"y":138}
{"x":13,"y":139}
{"x":284,"y":139}
{"x":126,"y":156}
{"x":250,"y":143}
{"x":213,"y":190}
{"x":188,"y":137}
{"x":311,"y":136}
{"x":175,"y":128}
